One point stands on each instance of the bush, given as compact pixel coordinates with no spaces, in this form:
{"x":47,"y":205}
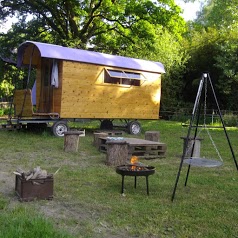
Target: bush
{"x":1,"y":112}
{"x":184,"y":115}
{"x":230,"y":119}
{"x":6,"y":111}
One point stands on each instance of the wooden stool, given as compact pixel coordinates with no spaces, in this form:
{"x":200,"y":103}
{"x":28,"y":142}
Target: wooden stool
{"x":71,"y":140}
{"x":152,"y":136}
{"x":196,"y":150}
{"x":96,"y":140}
{"x":117,"y":152}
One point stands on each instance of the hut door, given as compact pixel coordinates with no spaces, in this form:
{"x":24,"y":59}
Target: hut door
{"x":46,"y":93}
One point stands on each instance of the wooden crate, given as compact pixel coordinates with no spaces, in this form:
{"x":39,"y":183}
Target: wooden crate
{"x":28,"y":190}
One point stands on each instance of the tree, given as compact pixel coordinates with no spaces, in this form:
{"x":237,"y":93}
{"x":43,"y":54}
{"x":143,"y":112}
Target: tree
{"x":202,"y":49}
{"x":227,"y":63}
{"x":219,"y":14}
{"x":86,"y":23}
{"x":212,"y":47}
{"x":141,"y":28}
{"x":170,"y":51}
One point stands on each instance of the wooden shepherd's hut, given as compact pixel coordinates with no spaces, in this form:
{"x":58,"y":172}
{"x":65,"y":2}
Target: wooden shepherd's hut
{"x":74,"y":83}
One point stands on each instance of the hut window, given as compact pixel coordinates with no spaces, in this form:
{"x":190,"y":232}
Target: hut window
{"x":123,"y":77}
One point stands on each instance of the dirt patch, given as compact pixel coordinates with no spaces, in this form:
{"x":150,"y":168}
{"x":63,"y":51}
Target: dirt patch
{"x":72,"y":217}
{"x":27,"y":151}
{"x":7,"y":183}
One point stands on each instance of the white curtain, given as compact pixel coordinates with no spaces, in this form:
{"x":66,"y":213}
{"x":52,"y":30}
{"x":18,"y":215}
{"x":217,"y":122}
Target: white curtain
{"x":55,"y":74}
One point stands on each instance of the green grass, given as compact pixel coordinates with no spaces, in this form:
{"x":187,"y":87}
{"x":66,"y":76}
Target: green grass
{"x":87,"y":200}
{"x":25,"y":222}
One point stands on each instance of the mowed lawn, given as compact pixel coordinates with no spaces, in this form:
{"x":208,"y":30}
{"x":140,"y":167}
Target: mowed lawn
{"x":87,"y":200}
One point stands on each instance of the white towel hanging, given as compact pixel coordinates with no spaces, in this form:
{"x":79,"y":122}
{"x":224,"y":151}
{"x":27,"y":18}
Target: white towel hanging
{"x":55,"y":75}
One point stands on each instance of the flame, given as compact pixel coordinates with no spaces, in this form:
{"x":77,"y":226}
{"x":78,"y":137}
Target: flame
{"x":134,"y":160}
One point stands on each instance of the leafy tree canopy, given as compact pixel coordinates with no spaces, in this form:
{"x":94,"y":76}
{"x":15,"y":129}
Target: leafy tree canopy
{"x":112,"y":23}
{"x":170,"y":51}
{"x":150,"y":28}
{"x":212,"y":45}
{"x":219,"y":14}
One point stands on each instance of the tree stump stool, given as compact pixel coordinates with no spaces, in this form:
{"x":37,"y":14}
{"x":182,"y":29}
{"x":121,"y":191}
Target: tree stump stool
{"x":117,"y":152}
{"x":96,"y":140}
{"x":152,"y":136}
{"x":71,"y":140}
{"x":196,"y":150}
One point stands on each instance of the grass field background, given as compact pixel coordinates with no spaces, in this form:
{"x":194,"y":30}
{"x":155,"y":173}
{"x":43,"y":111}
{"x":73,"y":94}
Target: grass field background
{"x":87,"y":200}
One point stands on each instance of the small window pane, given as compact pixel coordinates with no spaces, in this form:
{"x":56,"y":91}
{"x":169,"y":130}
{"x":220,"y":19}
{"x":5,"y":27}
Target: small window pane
{"x":123,"y":78}
{"x":118,"y":74}
{"x":133,"y":75}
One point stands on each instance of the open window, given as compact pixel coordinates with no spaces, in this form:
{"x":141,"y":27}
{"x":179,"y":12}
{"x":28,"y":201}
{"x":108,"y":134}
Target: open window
{"x":123,"y":77}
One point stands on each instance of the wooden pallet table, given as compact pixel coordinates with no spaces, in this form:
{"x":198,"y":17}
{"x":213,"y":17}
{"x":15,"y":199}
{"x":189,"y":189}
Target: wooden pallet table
{"x":111,"y":132}
{"x":139,"y":147}
{"x":146,"y":148}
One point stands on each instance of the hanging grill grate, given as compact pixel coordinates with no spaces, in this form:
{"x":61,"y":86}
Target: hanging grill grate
{"x":202,"y":162}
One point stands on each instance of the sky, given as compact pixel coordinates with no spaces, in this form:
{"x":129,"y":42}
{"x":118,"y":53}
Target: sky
{"x":5,"y":27}
{"x":189,"y":13}
{"x":189,"y":9}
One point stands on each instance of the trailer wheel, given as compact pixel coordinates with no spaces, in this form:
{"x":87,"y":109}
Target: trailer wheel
{"x":134,"y":128}
{"x":59,"y":128}
{"x":106,"y":125}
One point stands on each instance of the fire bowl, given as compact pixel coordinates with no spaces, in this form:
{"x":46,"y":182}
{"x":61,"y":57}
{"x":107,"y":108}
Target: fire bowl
{"x":133,"y":170}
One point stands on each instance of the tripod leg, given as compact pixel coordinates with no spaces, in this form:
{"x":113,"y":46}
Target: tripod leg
{"x":223,"y":124}
{"x":177,"y":179}
{"x":194,"y":141}
{"x":196,"y":104}
{"x":147,"y":185}
{"x":186,"y":180}
{"x":122,"y":184}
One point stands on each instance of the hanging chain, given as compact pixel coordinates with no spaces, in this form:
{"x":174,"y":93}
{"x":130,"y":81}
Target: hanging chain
{"x":204,"y":122}
{"x":189,"y":147}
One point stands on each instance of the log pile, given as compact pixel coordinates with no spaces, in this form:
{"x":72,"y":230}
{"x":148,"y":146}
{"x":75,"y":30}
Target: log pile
{"x":36,"y":173}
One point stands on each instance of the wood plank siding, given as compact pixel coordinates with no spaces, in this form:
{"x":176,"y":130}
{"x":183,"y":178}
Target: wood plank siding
{"x":90,"y":84}
{"x":22,"y":103}
{"x":85,"y":95}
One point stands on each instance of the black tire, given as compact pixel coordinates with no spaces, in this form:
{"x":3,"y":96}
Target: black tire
{"x":134,"y":128}
{"x":59,"y":128}
{"x":106,"y":125}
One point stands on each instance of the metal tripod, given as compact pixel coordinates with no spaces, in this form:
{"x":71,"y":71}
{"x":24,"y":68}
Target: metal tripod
{"x":197,"y":108}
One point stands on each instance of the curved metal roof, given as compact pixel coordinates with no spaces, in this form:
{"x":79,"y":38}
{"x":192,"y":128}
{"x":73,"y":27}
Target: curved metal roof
{"x":85,"y":56}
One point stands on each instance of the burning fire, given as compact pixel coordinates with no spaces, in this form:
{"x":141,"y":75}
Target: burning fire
{"x":134,"y":160}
